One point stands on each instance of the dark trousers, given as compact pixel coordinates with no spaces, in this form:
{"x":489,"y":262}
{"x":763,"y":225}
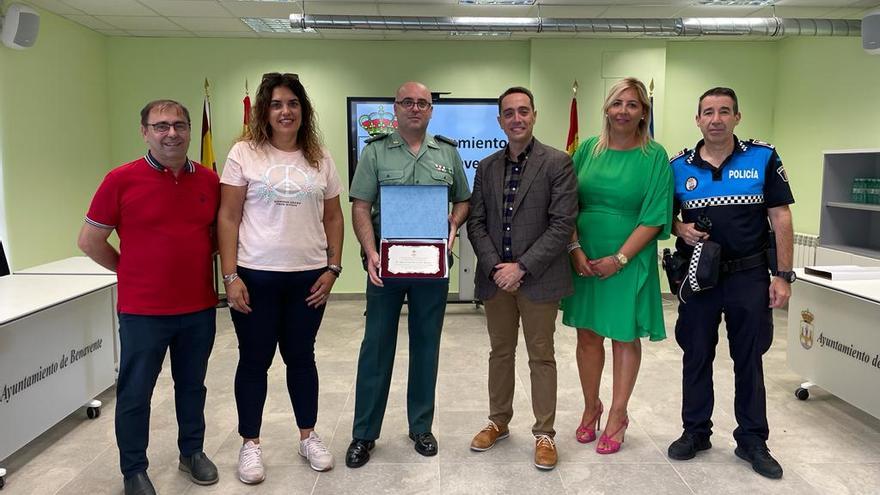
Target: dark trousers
{"x":144,"y":341}
{"x":427,"y":305}
{"x":280,"y":318}
{"x":743,"y":299}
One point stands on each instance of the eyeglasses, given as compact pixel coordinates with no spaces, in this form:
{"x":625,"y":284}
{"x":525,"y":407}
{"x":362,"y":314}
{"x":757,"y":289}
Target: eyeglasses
{"x":409,"y":103}
{"x":277,"y":75}
{"x":163,"y":127}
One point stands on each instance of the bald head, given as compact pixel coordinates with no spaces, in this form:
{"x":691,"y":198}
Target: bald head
{"x":411,"y":86}
{"x":413,"y":110}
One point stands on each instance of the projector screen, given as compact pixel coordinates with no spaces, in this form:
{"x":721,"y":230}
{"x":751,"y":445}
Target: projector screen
{"x":473,"y":122}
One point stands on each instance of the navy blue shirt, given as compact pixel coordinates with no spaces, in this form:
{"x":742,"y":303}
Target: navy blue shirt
{"x":735,"y":196}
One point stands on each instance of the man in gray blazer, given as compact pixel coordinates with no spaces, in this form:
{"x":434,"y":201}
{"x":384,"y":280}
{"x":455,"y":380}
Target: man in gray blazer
{"x":523,"y":208}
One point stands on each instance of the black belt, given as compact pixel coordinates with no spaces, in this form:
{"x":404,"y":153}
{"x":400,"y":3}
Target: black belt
{"x":746,"y":263}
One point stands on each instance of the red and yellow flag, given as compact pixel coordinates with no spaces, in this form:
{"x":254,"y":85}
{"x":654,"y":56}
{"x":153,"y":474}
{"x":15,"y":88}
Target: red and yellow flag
{"x":571,"y":143}
{"x":247,"y":112}
{"x":207,"y":154}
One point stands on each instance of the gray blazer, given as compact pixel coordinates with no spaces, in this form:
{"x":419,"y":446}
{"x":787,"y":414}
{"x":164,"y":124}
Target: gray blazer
{"x":544,"y":214}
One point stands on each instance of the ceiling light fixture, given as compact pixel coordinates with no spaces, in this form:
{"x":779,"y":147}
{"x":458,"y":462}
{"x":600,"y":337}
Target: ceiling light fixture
{"x":738,"y":3}
{"x":272,"y":25}
{"x":496,"y":2}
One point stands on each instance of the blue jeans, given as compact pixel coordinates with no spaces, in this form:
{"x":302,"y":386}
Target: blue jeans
{"x":144,"y":341}
{"x":280,"y":319}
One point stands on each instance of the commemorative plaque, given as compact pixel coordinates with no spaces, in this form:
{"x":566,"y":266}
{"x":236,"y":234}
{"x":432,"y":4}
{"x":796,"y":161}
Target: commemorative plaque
{"x":414,"y":227}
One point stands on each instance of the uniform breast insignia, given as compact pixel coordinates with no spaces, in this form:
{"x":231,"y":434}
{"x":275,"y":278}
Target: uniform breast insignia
{"x":446,"y":140}
{"x":678,"y":155}
{"x":442,"y":168}
{"x":377,"y":137}
{"x":762,"y":143}
{"x":691,"y":183}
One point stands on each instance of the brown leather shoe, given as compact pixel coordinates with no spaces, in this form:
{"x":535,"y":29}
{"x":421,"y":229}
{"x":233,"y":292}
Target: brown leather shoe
{"x":545,"y":452}
{"x":487,"y":437}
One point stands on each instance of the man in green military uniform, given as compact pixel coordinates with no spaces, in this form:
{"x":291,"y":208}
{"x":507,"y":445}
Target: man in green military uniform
{"x":408,"y":156}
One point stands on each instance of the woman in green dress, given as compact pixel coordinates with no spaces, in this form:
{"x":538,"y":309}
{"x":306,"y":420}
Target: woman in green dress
{"x":625,"y":197}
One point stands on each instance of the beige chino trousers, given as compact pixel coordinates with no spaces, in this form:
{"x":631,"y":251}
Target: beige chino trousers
{"x":503,"y":314}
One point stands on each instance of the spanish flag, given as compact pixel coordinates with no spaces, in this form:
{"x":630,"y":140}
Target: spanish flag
{"x":571,"y":143}
{"x":247,"y":109}
{"x":207,"y":156}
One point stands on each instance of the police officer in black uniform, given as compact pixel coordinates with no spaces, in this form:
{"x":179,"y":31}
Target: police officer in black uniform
{"x":735,"y":186}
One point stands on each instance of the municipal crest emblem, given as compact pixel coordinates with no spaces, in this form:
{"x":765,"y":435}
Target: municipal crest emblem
{"x":806,"y":336}
{"x":691,"y":183}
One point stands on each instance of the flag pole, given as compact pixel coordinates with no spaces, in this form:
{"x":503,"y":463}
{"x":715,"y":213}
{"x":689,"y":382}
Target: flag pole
{"x":651,"y":100}
{"x":206,"y":121}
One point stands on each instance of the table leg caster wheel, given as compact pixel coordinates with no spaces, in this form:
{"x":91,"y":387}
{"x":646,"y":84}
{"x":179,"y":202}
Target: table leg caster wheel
{"x":93,"y":412}
{"x":802,"y":393}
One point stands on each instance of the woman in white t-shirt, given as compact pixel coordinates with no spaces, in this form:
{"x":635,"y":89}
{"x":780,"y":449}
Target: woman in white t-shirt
{"x":280,"y":230}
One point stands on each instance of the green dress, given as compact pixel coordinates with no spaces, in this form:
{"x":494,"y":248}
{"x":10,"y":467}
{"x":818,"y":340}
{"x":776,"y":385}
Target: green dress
{"x":618,"y":191}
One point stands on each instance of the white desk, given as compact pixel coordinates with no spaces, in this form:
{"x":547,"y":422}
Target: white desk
{"x":834,"y":339}
{"x":56,"y":350}
{"x":81,"y":265}
{"x":77,"y":265}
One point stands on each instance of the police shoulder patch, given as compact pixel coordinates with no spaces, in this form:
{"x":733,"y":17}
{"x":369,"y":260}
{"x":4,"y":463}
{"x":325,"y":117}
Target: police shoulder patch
{"x":678,"y":155}
{"x":446,"y":140}
{"x":377,"y":137}
{"x":762,"y":143}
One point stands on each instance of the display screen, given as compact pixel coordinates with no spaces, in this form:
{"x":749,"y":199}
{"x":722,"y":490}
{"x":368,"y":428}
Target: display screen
{"x":473,"y":122}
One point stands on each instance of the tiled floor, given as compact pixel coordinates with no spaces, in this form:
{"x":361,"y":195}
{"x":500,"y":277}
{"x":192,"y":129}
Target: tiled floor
{"x":825,"y":445}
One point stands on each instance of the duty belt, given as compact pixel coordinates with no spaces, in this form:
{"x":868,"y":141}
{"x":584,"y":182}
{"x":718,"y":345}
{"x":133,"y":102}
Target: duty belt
{"x":746,"y":263}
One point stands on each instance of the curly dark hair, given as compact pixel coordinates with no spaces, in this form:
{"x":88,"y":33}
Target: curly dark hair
{"x":259,"y":131}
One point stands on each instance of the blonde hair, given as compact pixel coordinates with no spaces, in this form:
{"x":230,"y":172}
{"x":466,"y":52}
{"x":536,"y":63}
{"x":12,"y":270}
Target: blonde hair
{"x":644,"y":136}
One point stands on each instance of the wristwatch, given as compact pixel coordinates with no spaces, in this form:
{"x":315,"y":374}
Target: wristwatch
{"x":336,"y":269}
{"x":622,"y":260}
{"x":789,"y":277}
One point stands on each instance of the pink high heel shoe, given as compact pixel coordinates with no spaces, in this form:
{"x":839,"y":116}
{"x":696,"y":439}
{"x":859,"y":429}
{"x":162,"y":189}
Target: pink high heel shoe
{"x":586,"y":432}
{"x":611,"y":446}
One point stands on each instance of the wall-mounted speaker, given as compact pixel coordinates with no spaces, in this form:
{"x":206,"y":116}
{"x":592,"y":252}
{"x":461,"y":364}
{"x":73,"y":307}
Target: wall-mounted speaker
{"x":871,"y":33}
{"x":20,"y":27}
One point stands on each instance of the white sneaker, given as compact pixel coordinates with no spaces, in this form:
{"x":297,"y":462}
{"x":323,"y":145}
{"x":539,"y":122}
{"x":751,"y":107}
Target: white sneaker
{"x":250,"y":464}
{"x":316,"y":452}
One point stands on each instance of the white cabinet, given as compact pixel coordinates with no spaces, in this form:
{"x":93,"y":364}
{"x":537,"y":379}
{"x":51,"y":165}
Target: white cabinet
{"x":846,"y":227}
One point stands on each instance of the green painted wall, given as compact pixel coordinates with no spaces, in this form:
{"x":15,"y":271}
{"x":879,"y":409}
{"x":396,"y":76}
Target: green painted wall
{"x":54,"y":137}
{"x":69,"y":106}
{"x":826,"y":99}
{"x":595,"y":64}
{"x":330,"y":71}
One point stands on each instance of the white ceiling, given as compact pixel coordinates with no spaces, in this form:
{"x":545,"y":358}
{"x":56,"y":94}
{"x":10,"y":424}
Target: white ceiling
{"x":222,"y":18}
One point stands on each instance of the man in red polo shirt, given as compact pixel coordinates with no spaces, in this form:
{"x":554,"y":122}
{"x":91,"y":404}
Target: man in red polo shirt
{"x":163,"y":207}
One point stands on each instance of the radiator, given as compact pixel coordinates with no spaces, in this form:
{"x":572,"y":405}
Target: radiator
{"x":805,"y":249}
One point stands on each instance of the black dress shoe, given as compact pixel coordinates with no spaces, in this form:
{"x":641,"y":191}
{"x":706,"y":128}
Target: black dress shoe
{"x":358,"y":452}
{"x":139,"y":484}
{"x":762,"y":462}
{"x":687,"y":446}
{"x":201,"y":470}
{"x":426,"y":444}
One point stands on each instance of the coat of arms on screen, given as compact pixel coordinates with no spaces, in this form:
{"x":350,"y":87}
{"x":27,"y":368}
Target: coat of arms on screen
{"x":806,"y":329}
{"x":378,"y":122}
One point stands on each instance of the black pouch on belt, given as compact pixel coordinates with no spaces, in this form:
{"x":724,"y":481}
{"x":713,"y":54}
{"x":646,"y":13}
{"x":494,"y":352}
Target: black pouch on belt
{"x":675,"y":266}
{"x":702,"y":270}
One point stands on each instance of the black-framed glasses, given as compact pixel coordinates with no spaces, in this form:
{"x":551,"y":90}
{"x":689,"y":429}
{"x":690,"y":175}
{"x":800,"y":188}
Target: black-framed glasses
{"x":409,"y":103}
{"x":276,"y":75}
{"x":163,"y":127}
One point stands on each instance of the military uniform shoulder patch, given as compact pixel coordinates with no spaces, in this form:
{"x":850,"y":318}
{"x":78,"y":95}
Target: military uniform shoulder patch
{"x":446,"y":140}
{"x":377,"y":137}
{"x":762,"y":143}
{"x":678,"y":155}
